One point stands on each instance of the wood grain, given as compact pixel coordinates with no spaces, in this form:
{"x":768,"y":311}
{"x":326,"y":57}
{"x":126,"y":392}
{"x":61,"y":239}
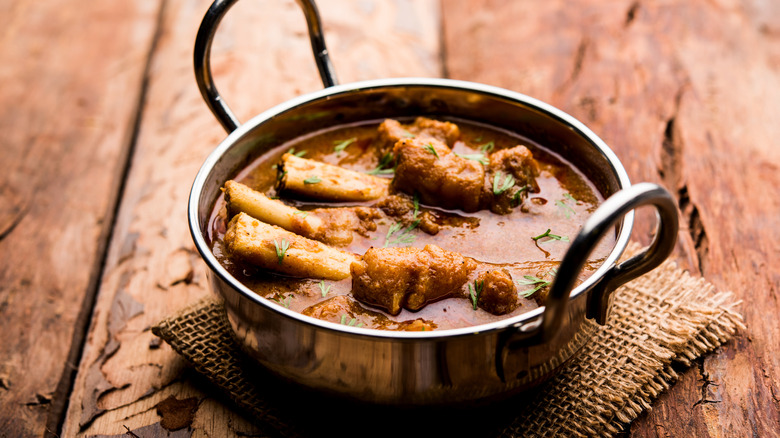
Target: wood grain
{"x":686,"y":94}
{"x":71,"y":82}
{"x":261,"y":58}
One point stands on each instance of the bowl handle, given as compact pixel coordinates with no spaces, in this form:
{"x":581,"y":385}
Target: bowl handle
{"x":202,"y":57}
{"x":600,"y":222}
{"x":600,"y":295}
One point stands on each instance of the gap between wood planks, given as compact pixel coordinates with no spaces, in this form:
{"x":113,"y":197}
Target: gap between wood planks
{"x":61,"y":397}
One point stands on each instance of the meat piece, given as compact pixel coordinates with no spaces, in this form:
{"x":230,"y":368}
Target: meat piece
{"x":391,"y":131}
{"x":403,"y":208}
{"x":345,"y":310}
{"x":332,"y":309}
{"x":499,"y":292}
{"x":517,"y":165}
{"x":518,"y":162}
{"x":317,"y":180}
{"x":339,"y":224}
{"x":396,"y":206}
{"x":438,"y":176}
{"x":333,"y":226}
{"x":274,"y":248}
{"x":395,"y":278}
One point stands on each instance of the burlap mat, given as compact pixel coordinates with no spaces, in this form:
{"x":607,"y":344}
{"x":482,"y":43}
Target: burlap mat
{"x":662,"y":319}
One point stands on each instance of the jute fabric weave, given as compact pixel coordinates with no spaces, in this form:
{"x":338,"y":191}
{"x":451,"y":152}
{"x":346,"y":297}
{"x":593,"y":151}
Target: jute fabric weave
{"x":665,"y":318}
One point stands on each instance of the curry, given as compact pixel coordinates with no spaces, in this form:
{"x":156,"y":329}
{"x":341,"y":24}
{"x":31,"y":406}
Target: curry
{"x":404,"y":224}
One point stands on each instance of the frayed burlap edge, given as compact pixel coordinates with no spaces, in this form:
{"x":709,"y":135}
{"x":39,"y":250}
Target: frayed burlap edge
{"x":664,"y":317}
{"x":202,"y":334}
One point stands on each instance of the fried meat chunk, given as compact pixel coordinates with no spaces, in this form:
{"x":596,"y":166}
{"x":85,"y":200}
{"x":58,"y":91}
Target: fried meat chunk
{"x":429,"y":168}
{"x":392,"y":131}
{"x":409,"y":278}
{"x":499,"y":293}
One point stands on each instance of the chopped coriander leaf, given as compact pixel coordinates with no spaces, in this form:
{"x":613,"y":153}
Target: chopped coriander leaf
{"x":402,"y":236}
{"x":487,"y":147}
{"x":475,"y":291}
{"x":324,"y":289}
{"x":378,"y":171}
{"x":528,"y":292}
{"x":381,"y":168}
{"x":312,"y":179}
{"x":566,"y":209}
{"x":350,"y":323}
{"x":340,"y":145}
{"x":281,"y":249}
{"x":284,"y":302}
{"x":535,"y":281}
{"x":297,"y":154}
{"x":481,"y":158}
{"x":518,"y":193}
{"x":431,"y":149}
{"x":302,"y":213}
{"x":499,"y":187}
{"x":569,"y":197}
{"x":551,"y":236}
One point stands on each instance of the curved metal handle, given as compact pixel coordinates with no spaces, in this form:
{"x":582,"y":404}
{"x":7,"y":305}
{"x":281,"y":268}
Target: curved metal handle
{"x":603,"y":220}
{"x":202,"y":57}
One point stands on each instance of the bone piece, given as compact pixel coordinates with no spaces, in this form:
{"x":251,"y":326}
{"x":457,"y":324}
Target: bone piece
{"x":241,"y":198}
{"x":274,"y":248}
{"x":323,"y":181}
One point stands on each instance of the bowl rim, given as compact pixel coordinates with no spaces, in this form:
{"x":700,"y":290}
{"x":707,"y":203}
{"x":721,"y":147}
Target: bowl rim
{"x":530,"y":318}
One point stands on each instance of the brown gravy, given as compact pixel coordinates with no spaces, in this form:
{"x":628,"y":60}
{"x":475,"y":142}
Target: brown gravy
{"x":565,"y":199}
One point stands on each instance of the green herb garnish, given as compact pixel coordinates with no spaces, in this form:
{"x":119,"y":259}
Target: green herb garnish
{"x":551,"y":236}
{"x":432,"y":149}
{"x":350,"y":323}
{"x":297,"y":154}
{"x":416,"y":201}
{"x":304,"y":214}
{"x":382,"y":167}
{"x":402,"y":235}
{"x":567,"y":210}
{"x":285,"y":302}
{"x":324,"y":289}
{"x":281,"y":249}
{"x":407,"y":134}
{"x":516,"y":197}
{"x":480,"y":158}
{"x":534,"y":281}
{"x":312,"y":179}
{"x":499,"y":187}
{"x":475,"y":292}
{"x":340,"y":145}
{"x":487,"y":147}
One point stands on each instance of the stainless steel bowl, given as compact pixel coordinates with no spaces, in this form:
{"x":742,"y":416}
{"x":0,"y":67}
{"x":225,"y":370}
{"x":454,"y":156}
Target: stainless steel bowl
{"x":441,"y":367}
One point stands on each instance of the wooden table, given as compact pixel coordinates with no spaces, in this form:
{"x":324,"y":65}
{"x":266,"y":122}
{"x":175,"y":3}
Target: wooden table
{"x":104,"y":129}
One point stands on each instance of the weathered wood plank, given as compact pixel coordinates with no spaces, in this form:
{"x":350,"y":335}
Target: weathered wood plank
{"x":261,"y":58}
{"x":686,"y":94}
{"x":71,"y":82}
